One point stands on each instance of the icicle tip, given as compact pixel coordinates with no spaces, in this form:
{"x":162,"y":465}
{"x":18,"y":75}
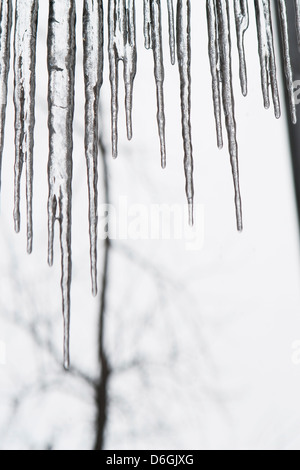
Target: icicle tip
{"x":94,"y":289}
{"x":67,"y":364}
{"x":17,"y":224}
{"x":66,"y":344}
{"x":129,"y":132}
{"x":244,"y":90}
{"x":239,"y":223}
{"x":29,"y":246}
{"x":191,"y":212}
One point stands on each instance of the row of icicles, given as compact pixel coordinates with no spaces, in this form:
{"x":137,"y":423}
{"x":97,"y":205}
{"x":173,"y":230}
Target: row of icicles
{"x":122,"y":47}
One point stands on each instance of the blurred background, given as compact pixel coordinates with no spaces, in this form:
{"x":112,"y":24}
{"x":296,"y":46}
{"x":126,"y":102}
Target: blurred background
{"x":201,"y":349}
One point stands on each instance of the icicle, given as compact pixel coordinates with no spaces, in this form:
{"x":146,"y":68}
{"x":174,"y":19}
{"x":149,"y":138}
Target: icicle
{"x":93,"y":75}
{"x":184,"y":63}
{"x":213,"y":49}
{"x":24,"y":99}
{"x":61,"y":67}
{"x":172,"y":40}
{"x":228,"y":99}
{"x":147,"y":24}
{"x":242,"y":24}
{"x":266,"y":54}
{"x":5,"y":31}
{"x":287,"y":58}
{"x":297,"y":9}
{"x":156,"y":40}
{"x":122,"y":46}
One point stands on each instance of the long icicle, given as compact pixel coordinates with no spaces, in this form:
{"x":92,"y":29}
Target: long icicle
{"x":266,"y":54}
{"x":172,"y":40}
{"x":5,"y":33}
{"x":93,"y":76}
{"x":228,"y":100}
{"x":156,"y":40}
{"x":61,"y":67}
{"x":24,"y":98}
{"x":122,"y":46}
{"x":213,"y":50}
{"x":184,"y":63}
{"x":242,"y":23}
{"x":287,"y":58}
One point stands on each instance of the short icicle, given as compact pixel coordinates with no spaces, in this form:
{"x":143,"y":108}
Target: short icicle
{"x":61,"y":68}
{"x":147,"y":24}
{"x":172,"y":40}
{"x":213,"y":51}
{"x":122,"y":46}
{"x":297,"y":10}
{"x":267,"y":54}
{"x":242,"y":24}
{"x":287,"y":58}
